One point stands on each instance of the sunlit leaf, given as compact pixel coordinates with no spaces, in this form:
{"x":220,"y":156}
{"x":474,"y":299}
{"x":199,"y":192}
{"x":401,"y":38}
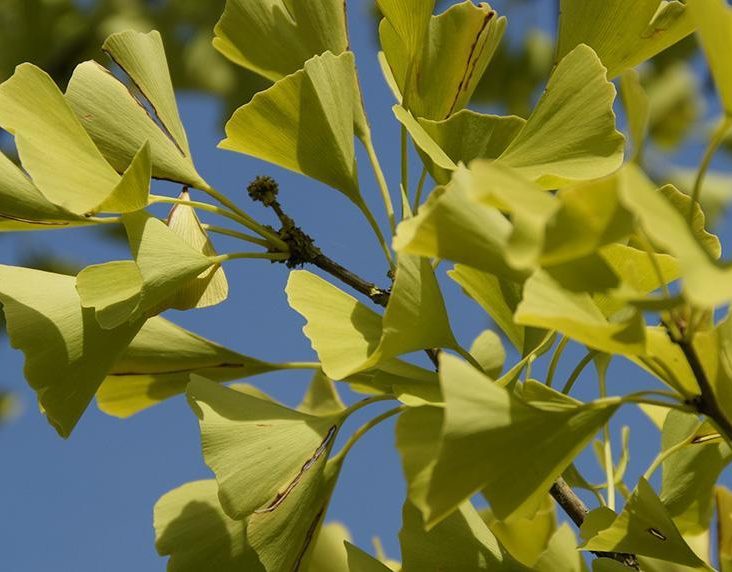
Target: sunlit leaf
{"x":705,"y":282}
{"x":57,"y":152}
{"x":487,"y":349}
{"x":275,"y":39}
{"x":546,"y":304}
{"x":23,"y":206}
{"x":163,"y":264}
{"x":211,"y":287}
{"x":271,"y":466}
{"x":571,"y":134}
{"x":460,"y":543}
{"x":561,"y":554}
{"x":637,"y":108}
{"x":322,"y":397}
{"x":142,"y":57}
{"x":714,"y":19}
{"x":643,"y":528}
{"x":67,"y":353}
{"x":453,"y":227}
{"x":158,"y":365}
{"x":437,"y":61}
{"x":305,"y":123}
{"x":192,"y":528}
{"x":329,"y":552}
{"x":624,"y":33}
{"x":490,"y":443}
{"x":689,"y":475}
{"x":349,"y":337}
{"x":119,"y":124}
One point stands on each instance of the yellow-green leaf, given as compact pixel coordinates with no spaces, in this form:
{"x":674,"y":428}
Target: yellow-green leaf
{"x":495,"y":442}
{"x":637,"y":109}
{"x":714,"y":19}
{"x":67,"y":353}
{"x":275,"y":38}
{"x":624,"y":33}
{"x":571,"y":135}
{"x":159,"y":362}
{"x":305,"y":123}
{"x":643,"y":528}
{"x":359,"y":561}
{"x":211,"y":287}
{"x":349,"y":337}
{"x":437,"y":61}
{"x":547,"y":305}
{"x":724,"y":520}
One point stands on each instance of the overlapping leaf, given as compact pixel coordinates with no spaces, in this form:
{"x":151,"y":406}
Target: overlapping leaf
{"x":61,"y":158}
{"x":643,"y":528}
{"x":350,"y":337}
{"x":67,"y":353}
{"x":437,"y":61}
{"x":159,"y":362}
{"x":490,"y":442}
{"x":624,"y":33}
{"x":306,"y":122}
{"x":163,"y":265}
{"x":714,"y":19}
{"x":571,"y":135}
{"x":275,"y":38}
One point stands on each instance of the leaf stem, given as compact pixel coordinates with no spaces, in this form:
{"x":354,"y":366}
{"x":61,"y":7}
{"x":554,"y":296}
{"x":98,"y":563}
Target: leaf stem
{"x":716,"y":140}
{"x":274,"y":256}
{"x":365,"y":428}
{"x":467,"y":356}
{"x":574,"y":376}
{"x":554,"y":363}
{"x":607,"y":442}
{"x":381,"y":180}
{"x":379,"y":235}
{"x":236,"y":234}
{"x":365,"y":403}
{"x":663,"y":455}
{"x":405,"y":161}
{"x":420,"y":189}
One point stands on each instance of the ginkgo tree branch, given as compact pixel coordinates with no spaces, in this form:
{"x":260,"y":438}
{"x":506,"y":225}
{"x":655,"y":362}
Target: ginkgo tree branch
{"x":302,"y":250}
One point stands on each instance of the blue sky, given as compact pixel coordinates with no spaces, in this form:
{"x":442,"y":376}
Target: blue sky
{"x":86,"y":504}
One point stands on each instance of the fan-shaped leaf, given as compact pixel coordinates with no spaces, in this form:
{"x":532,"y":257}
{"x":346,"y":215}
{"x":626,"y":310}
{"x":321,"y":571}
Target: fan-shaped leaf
{"x":624,"y":33}
{"x":305,"y":123}
{"x":359,"y":561}
{"x":495,"y":442}
{"x":571,"y":135}
{"x":67,"y":353}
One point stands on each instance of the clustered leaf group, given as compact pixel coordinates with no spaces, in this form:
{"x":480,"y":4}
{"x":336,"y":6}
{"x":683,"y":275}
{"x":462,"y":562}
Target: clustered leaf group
{"x":553,"y":227}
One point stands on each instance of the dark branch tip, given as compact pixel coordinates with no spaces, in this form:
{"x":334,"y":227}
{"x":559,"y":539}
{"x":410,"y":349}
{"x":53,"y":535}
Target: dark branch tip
{"x":264,"y":190}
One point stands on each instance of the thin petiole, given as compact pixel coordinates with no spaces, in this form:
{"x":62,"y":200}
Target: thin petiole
{"x":420,"y":189}
{"x":236,"y":234}
{"x":574,"y":376}
{"x":273,"y":256}
{"x":554,"y":363}
{"x":365,"y":428}
{"x":381,"y":180}
{"x":714,"y":143}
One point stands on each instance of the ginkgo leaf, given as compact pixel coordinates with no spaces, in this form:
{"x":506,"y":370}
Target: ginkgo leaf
{"x":192,"y":528}
{"x":637,"y":108}
{"x":590,"y":216}
{"x":142,"y":57}
{"x":714,"y":20}
{"x":322,"y":397}
{"x":689,"y":475}
{"x":488,"y":351}
{"x":724,"y":520}
{"x":158,"y":365}
{"x":526,"y":539}
{"x":437,"y":61}
{"x":643,"y":528}
{"x":451,"y":226}
{"x":211,"y":287}
{"x":530,"y":208}
{"x":359,"y":561}
{"x":163,"y":264}
{"x":466,"y":136}
{"x":547,"y":305}
{"x":491,"y":443}
{"x":119,"y":124}
{"x":271,"y":464}
{"x":561,"y":554}
{"x":704,"y":281}
{"x":349,"y":337}
{"x":460,"y":543}
{"x":260,"y":451}
{"x":571,"y":135}
{"x":499,"y":298}
{"x":329,"y":552}
{"x":305,"y":123}
{"x":67,"y":353}
{"x":61,"y":158}
{"x":23,"y":206}
{"x":624,"y":33}
{"x":275,"y":39}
